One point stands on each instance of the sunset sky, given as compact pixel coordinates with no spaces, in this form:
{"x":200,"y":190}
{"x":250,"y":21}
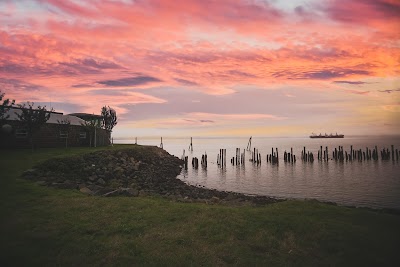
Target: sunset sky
{"x":209,"y":67}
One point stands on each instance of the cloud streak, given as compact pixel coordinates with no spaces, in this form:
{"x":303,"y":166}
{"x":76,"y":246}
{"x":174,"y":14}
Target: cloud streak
{"x":131,"y":81}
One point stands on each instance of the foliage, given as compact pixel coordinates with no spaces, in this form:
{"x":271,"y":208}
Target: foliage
{"x":33,"y":118}
{"x":109,"y":118}
{"x":5,"y":106}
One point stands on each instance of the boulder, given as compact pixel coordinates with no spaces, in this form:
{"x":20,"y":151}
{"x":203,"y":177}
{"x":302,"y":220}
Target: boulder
{"x":86,"y":191}
{"x":93,"y":178}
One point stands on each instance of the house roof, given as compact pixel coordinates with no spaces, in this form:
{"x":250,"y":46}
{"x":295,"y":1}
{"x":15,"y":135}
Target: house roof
{"x":54,"y":117}
{"x":86,"y":116}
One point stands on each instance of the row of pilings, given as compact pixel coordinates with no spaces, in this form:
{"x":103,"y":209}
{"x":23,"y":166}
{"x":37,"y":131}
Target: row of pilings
{"x":323,"y":155}
{"x":273,"y":158}
{"x":338,"y":154}
{"x":221,"y":158}
{"x":307,"y":156}
{"x":255,"y":156}
{"x":289,"y":157}
{"x":239,"y":157}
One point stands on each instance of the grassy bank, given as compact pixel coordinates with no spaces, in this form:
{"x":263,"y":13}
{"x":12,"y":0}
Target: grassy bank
{"x":46,"y":227}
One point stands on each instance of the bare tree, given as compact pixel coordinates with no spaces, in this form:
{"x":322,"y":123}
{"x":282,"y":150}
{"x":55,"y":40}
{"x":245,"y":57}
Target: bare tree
{"x":33,"y":118}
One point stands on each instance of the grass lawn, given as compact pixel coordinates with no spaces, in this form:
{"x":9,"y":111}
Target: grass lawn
{"x":43,"y":226}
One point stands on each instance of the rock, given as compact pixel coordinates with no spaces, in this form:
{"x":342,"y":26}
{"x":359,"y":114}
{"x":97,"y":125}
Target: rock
{"x":42,"y":183}
{"x":215,"y":199}
{"x":86,"y":191}
{"x":95,"y":187}
{"x":136,"y":166}
{"x":93,"y":178}
{"x":81,"y":186}
{"x":230,"y":197}
{"x":101,"y":181}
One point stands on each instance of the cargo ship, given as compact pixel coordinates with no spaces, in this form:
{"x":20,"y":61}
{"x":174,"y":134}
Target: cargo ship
{"x":327,"y":136}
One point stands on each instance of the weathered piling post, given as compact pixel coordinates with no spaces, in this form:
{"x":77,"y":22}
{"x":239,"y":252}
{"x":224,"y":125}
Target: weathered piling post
{"x":191,"y":144}
{"x":327,"y":155}
{"x":204,"y":160}
{"x":161,"y":145}
{"x":392,"y":153}
{"x":186,"y":159}
{"x":294,"y":158}
{"x":183,"y":155}
{"x":225,"y":156}
{"x":249,"y":144}
{"x":351,"y":152}
{"x":397,"y":154}
{"x":291,"y":154}
{"x":320,"y":150}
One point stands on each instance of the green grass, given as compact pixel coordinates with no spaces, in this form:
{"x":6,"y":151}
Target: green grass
{"x":43,"y":226}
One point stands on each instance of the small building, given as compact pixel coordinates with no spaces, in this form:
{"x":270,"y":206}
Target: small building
{"x":13,"y":134}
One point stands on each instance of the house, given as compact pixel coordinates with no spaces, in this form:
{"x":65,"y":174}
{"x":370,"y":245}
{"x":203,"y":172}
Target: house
{"x":13,"y":134}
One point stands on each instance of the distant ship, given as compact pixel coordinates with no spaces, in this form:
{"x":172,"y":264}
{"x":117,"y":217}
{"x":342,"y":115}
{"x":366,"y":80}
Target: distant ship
{"x":327,"y":136}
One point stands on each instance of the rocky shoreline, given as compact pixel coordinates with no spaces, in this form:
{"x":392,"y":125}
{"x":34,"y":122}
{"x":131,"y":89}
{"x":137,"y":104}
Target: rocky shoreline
{"x":139,"y":171}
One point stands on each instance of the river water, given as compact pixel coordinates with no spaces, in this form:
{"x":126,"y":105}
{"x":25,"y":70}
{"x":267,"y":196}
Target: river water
{"x":374,"y":184}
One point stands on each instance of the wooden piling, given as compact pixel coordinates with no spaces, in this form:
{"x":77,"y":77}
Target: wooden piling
{"x":249,"y":144}
{"x":327,"y":155}
{"x":161,"y":145}
{"x":392,"y":153}
{"x":191,"y":144}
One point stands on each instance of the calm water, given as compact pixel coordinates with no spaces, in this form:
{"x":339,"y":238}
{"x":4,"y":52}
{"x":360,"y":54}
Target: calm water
{"x":368,"y":183}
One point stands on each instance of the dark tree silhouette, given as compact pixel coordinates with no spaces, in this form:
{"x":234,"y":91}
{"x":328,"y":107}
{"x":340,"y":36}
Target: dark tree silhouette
{"x":109,"y":118}
{"x":64,"y":126}
{"x":5,"y":106}
{"x":33,"y":118}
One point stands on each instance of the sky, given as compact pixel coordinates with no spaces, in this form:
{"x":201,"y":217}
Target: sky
{"x":209,"y":67}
